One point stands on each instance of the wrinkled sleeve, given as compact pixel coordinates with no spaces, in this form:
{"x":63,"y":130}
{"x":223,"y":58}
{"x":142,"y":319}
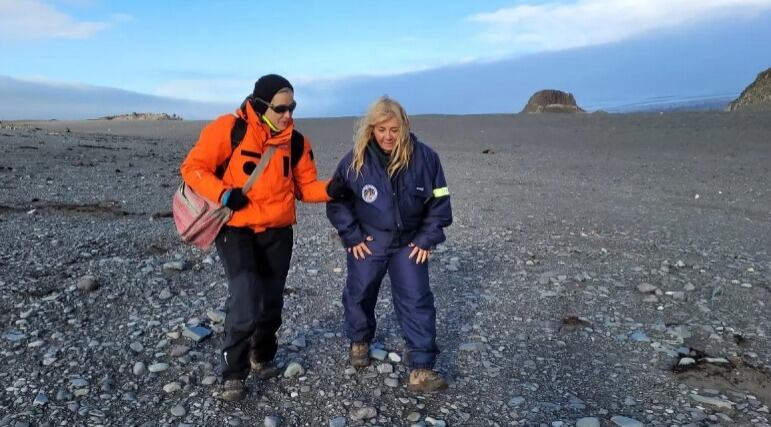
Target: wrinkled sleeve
{"x":310,"y":189}
{"x":437,"y":213}
{"x":342,"y":213}
{"x":211,"y":150}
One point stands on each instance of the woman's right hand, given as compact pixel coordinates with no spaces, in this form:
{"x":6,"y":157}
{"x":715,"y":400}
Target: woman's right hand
{"x":337,"y":189}
{"x":235,"y":199}
{"x":359,"y":250}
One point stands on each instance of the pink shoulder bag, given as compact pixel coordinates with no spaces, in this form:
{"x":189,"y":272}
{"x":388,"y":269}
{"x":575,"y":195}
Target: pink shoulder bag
{"x":198,"y":219}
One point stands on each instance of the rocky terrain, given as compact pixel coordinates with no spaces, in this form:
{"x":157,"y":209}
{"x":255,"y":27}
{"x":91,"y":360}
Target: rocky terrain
{"x":552,"y":101}
{"x":143,"y":116}
{"x":756,"y":97}
{"x":602,"y":270}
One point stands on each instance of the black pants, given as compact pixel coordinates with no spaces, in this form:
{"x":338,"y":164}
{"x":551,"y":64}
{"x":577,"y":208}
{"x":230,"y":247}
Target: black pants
{"x":256,"y":265}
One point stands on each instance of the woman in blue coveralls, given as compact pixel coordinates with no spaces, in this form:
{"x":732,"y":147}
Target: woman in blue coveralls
{"x":400,"y":206}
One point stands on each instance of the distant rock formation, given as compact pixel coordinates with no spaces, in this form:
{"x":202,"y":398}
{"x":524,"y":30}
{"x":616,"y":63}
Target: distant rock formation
{"x":756,"y":97}
{"x":143,"y":116}
{"x":552,"y":101}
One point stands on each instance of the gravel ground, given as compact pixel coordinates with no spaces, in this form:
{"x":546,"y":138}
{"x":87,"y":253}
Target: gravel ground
{"x":602,"y":270}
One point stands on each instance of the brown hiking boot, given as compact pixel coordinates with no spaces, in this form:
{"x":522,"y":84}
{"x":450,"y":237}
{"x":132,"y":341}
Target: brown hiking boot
{"x":263,"y":370}
{"x":232,"y":390}
{"x":359,"y":354}
{"x":425,"y":381}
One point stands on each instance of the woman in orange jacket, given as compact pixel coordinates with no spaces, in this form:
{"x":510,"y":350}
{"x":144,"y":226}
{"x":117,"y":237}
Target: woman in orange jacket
{"x":256,"y":244}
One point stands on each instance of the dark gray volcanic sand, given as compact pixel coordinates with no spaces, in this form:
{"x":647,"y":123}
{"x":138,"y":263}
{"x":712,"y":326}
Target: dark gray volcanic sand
{"x":590,"y":255}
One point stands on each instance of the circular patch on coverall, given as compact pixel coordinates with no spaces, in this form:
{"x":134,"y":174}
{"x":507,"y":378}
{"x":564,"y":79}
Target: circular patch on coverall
{"x":369,"y":193}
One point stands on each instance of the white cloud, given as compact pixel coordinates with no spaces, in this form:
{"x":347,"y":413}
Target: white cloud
{"x":65,"y":84}
{"x":36,"y":20}
{"x":556,"y":26}
{"x":314,"y":95}
{"x":206,"y":90}
{"x":122,"y":17}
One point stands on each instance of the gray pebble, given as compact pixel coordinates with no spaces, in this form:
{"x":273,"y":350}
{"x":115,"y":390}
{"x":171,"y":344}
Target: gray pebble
{"x":62,"y":394}
{"x":385,"y":368}
{"x":299,"y":342}
{"x":216,"y":316}
{"x":196,"y":333}
{"x":14,"y":336}
{"x":378,"y":354}
{"x":178,"y":411}
{"x":435,"y":423}
{"x":646,"y":288}
{"x":139,"y":369}
{"x":293,"y":369}
{"x":174,"y":266}
{"x":621,"y":421}
{"x":165,"y":294}
{"x":470,"y":347}
{"x":178,"y":350}
{"x":364,"y":413}
{"x":87,"y":284}
{"x":78,"y":383}
{"x":588,"y":422}
{"x":158,"y":367}
{"x":172,"y":387}
{"x":41,"y":399}
{"x":516,"y":401}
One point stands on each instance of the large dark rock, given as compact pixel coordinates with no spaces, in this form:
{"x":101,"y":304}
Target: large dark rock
{"x":552,"y":101}
{"x":756,"y":97}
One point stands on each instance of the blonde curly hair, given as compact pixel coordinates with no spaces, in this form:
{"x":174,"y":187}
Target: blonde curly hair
{"x":384,"y":108}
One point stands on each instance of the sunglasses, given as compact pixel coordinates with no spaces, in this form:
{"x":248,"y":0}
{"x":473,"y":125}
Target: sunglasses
{"x":280,"y":109}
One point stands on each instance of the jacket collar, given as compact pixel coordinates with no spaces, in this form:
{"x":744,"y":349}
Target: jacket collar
{"x":260,"y":128}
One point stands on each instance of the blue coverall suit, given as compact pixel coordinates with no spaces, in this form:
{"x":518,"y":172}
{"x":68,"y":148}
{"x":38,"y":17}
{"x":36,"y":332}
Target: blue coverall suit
{"x":413,"y":206}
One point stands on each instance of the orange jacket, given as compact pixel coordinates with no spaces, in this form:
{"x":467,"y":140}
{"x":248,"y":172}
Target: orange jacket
{"x":271,"y":198}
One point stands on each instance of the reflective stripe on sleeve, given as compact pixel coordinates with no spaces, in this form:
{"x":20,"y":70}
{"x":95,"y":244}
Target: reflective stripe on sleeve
{"x":441,"y":192}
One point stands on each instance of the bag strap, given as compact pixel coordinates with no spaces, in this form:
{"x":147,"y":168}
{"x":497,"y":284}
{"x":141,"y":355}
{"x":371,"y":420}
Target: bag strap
{"x":259,"y":168}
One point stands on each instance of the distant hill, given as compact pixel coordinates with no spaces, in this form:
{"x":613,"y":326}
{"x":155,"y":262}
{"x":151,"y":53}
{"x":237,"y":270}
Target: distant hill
{"x":757,"y":96}
{"x":20,"y":99}
{"x":143,"y":116}
{"x":552,"y":101}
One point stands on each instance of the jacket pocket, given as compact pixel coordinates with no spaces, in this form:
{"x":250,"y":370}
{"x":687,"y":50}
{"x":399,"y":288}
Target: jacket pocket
{"x":421,"y":192}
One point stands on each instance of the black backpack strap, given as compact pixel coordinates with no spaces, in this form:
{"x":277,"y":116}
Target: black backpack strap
{"x":298,"y":145}
{"x":237,"y":133}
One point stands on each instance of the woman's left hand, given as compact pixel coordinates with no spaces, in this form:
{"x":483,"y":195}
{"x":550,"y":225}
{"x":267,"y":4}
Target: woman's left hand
{"x":420,"y":255}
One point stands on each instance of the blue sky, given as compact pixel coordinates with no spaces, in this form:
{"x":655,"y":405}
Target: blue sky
{"x":215,"y":48}
{"x":213,"y":51}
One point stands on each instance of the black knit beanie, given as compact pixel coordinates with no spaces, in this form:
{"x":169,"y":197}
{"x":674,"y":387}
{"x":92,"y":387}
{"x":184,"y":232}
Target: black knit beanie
{"x":265,"y":88}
